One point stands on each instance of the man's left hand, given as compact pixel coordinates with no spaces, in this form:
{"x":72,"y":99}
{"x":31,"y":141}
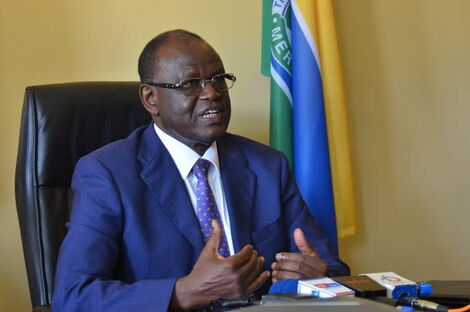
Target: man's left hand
{"x":304,"y":265}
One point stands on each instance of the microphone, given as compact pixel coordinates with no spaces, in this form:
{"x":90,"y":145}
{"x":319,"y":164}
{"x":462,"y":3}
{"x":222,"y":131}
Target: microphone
{"x":421,"y":304}
{"x":286,"y":286}
{"x":394,"y":284}
{"x":397,"y":285}
{"x":400,"y":291}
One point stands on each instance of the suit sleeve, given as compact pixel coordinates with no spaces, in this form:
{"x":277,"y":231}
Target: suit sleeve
{"x":89,"y":256}
{"x":298,"y":216}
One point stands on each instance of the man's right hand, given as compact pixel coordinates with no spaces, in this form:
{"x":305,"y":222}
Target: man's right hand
{"x":215,"y":277}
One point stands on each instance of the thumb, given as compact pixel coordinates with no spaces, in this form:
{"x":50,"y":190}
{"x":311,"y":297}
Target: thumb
{"x":214,"y":238}
{"x":302,"y":243}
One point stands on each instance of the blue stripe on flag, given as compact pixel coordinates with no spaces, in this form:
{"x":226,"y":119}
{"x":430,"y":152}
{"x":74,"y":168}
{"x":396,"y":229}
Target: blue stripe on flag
{"x":282,"y":71}
{"x":311,"y":157}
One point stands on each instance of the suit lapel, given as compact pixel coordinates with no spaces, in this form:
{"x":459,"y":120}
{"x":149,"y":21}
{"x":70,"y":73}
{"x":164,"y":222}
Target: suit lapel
{"x":160,"y":174}
{"x":239,"y":184}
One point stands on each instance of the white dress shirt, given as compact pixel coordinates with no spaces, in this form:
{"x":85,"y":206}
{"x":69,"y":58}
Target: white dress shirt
{"x":185,"y":158}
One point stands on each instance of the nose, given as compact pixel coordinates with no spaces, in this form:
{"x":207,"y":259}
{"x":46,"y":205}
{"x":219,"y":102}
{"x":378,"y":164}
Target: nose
{"x":209,"y":92}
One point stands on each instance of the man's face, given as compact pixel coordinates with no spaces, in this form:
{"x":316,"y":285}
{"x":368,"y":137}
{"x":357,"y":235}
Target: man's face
{"x":195,"y":120}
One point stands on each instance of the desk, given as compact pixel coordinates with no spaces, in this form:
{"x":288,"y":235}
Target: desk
{"x":347,"y":304}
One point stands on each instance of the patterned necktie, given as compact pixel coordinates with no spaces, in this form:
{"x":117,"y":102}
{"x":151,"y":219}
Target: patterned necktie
{"x":206,"y":209}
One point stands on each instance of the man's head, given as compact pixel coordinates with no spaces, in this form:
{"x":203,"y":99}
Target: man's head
{"x":194,"y":118}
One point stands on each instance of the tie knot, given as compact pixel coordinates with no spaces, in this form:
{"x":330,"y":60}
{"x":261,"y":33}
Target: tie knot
{"x":201,"y":167}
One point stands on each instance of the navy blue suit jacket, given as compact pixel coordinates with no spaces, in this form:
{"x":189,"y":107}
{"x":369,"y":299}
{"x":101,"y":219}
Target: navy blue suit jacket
{"x":133,"y":230}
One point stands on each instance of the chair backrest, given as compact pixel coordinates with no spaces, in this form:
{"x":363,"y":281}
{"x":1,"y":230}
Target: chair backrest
{"x":59,"y":124}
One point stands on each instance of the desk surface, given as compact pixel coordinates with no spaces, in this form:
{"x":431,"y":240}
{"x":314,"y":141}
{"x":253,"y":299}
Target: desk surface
{"x":347,"y":304}
{"x":450,"y":293}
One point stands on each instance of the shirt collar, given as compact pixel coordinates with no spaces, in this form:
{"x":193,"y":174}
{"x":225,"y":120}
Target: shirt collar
{"x":183,"y":156}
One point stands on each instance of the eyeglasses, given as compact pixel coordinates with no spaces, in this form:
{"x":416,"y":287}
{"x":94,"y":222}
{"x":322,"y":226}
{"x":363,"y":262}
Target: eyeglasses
{"x":193,"y":86}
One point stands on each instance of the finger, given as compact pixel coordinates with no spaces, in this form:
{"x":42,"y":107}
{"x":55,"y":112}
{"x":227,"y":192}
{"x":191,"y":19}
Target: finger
{"x":258,"y":282}
{"x":294,"y":256}
{"x":249,"y":267}
{"x":243,"y":256}
{"x":289,"y":256}
{"x":302,"y":243}
{"x":299,"y":262}
{"x":254,"y":272}
{"x":309,"y":266}
{"x":295,"y":273}
{"x":214,"y":239}
{"x":294,"y":266}
{"x":281,"y":275}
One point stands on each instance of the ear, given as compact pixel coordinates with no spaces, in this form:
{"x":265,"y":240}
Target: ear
{"x":148,"y":97}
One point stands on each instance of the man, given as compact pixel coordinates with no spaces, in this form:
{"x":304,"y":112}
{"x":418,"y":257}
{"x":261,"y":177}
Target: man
{"x":182,"y":213}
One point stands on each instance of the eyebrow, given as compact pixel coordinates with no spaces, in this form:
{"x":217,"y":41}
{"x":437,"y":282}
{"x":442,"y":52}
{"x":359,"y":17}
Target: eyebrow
{"x":193,"y":67}
{"x":192,"y":74}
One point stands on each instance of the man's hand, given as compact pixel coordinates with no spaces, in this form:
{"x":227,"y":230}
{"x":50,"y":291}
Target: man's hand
{"x":304,"y":265}
{"x":215,"y":277}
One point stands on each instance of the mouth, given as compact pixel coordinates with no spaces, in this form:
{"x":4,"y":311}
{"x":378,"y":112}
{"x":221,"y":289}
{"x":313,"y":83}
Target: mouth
{"x":212,"y":114}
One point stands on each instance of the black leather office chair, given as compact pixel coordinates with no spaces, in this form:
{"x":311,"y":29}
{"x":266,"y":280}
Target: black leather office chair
{"x":59,"y":124}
